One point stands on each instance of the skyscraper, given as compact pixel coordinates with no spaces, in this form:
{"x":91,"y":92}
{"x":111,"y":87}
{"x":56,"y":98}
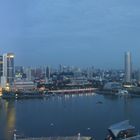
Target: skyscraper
{"x":128,"y":67}
{"x":1,"y":65}
{"x":48,"y":72}
{"x":8,"y":67}
{"x":28,"y":74}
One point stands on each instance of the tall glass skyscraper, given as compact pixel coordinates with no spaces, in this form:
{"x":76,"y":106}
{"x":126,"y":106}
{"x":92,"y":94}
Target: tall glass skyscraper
{"x":128,"y":67}
{"x":8,"y":67}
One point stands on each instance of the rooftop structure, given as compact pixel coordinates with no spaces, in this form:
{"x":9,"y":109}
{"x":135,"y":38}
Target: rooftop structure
{"x":123,"y":131}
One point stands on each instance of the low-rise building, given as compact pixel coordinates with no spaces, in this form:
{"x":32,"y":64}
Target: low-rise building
{"x":24,"y":85}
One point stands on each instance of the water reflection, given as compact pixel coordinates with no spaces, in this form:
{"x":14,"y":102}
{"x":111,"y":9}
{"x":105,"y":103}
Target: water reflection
{"x":67,"y":96}
{"x":66,"y":115}
{"x":7,"y":119}
{"x":111,"y":97}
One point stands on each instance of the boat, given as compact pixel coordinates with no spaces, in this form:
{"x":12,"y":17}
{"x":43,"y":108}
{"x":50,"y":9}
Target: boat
{"x":122,"y":131}
{"x":123,"y":92}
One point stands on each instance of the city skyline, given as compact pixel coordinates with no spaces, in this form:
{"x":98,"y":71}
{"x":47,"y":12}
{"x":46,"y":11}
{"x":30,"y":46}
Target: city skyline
{"x":78,"y":33}
{"x":69,"y":69}
{"x":74,"y":66}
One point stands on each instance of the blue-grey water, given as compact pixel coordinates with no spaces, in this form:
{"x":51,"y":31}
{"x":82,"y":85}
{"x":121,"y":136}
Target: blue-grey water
{"x":66,"y":115}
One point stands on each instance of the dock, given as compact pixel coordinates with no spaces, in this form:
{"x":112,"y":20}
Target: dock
{"x":73,"y":91}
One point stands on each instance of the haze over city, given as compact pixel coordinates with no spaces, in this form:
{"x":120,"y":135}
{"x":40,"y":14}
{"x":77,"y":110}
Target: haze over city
{"x":80,"y":33}
{"x":69,"y":69}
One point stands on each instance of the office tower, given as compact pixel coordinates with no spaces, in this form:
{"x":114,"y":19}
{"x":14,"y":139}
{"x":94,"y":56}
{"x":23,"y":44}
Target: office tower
{"x":28,"y":74}
{"x":48,"y":72}
{"x":128,"y":67}
{"x":1,"y":65}
{"x":60,"y":68}
{"x":8,"y":67}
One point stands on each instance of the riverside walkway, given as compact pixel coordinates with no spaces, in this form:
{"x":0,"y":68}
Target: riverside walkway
{"x":56,"y":138}
{"x":70,"y":91}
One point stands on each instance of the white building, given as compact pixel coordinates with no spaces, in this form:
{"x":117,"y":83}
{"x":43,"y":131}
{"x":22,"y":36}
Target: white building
{"x":3,"y":81}
{"x":24,"y":85}
{"x":8,"y":68}
{"x":28,"y":74}
{"x":128,"y":67}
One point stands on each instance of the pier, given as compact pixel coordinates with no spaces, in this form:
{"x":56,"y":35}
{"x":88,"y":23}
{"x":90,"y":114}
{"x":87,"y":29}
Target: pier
{"x":73,"y":91}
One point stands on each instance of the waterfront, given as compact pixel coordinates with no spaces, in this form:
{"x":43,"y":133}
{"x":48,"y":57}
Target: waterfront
{"x":66,"y":115}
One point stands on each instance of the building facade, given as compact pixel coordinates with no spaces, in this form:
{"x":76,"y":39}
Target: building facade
{"x":1,"y":66}
{"x":8,"y":67}
{"x":48,"y":72}
{"x":128,"y":67}
{"x":28,"y":74}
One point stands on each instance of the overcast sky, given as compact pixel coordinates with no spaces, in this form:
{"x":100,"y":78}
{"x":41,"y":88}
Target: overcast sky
{"x":71,"y":32}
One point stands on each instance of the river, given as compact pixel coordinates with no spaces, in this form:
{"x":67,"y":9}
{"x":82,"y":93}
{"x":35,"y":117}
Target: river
{"x":66,"y":115}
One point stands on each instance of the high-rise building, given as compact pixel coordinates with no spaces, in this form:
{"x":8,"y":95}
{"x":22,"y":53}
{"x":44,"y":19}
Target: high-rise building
{"x":28,"y":74}
{"x":48,"y":72}
{"x":8,"y":67}
{"x":1,"y":65}
{"x":128,"y":67}
{"x":60,"y":68}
